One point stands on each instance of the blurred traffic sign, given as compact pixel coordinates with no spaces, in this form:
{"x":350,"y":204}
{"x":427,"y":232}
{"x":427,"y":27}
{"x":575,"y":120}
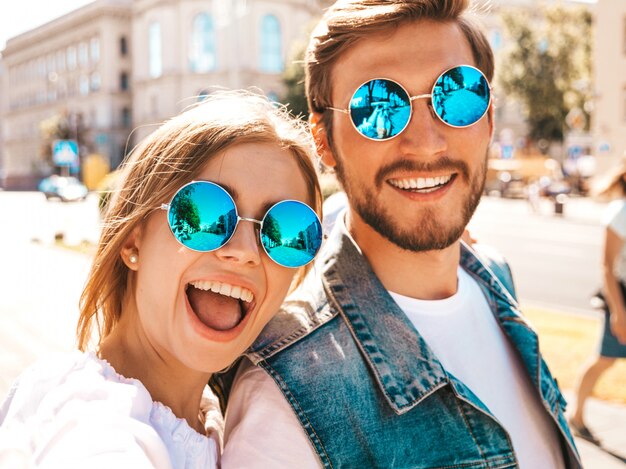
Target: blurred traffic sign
{"x":65,"y":152}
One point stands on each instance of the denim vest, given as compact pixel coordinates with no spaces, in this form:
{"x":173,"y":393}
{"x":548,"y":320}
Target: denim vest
{"x":367,"y":389}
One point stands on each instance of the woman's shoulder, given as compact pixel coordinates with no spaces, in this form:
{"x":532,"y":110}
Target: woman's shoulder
{"x":58,"y":379}
{"x":77,"y":399}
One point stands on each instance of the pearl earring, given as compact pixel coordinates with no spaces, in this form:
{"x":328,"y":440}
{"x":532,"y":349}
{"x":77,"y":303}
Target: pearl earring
{"x":133,"y":258}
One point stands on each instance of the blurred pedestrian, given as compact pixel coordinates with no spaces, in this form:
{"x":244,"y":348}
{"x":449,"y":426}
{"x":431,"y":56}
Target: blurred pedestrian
{"x":180,"y":286}
{"x":613,"y":293}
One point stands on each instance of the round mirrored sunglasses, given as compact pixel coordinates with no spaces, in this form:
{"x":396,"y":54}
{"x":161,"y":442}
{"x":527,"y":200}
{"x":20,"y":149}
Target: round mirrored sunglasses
{"x":381,"y":109}
{"x":203,"y":217}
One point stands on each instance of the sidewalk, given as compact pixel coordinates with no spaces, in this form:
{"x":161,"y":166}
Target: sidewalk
{"x":608,"y":422}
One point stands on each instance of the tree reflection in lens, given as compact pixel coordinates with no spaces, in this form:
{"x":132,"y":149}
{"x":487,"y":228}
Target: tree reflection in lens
{"x":461,"y":96}
{"x":291,"y":234}
{"x":203,"y":216}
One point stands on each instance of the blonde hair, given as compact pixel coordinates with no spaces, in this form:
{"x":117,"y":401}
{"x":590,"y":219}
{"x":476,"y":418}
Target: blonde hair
{"x":349,"y":21}
{"x":166,"y":160}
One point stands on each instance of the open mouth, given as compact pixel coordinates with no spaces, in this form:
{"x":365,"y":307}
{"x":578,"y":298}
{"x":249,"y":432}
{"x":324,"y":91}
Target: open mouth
{"x":422,"y":185}
{"x":219,"y":306}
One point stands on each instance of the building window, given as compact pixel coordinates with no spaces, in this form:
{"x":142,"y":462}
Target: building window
{"x":95,"y":81}
{"x":123,"y":46}
{"x":624,"y":37}
{"x":60,"y":61}
{"x":94,"y":52}
{"x":202,"y":56}
{"x":51,"y":65}
{"x":155,"y":50}
{"x":271,"y":45}
{"x":83,"y":85}
{"x":41,"y":68}
{"x":123,"y":81}
{"x":496,"y":40}
{"x":83,"y":57}
{"x":126,"y":117}
{"x":71,"y":58}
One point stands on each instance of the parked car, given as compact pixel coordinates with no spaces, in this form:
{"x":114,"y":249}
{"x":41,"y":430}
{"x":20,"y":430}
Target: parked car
{"x":66,"y":188}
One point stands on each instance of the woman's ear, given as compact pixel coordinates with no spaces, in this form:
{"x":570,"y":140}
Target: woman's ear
{"x":321,"y":139}
{"x":130,"y":249}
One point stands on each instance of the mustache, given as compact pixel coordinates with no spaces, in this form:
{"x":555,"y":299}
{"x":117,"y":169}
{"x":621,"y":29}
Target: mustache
{"x":443,"y":163}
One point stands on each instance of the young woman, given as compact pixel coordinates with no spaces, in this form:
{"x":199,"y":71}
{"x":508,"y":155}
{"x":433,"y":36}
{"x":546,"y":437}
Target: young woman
{"x":200,"y":246}
{"x":613,"y":341}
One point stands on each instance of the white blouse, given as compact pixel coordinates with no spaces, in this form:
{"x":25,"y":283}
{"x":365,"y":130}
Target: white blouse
{"x":74,"y":410}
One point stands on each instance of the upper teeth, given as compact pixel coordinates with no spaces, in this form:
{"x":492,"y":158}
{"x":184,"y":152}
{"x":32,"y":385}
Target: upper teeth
{"x":420,"y":183}
{"x":226,"y":289}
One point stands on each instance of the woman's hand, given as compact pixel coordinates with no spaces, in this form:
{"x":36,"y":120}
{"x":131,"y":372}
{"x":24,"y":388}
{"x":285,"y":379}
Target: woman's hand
{"x":618,"y":326}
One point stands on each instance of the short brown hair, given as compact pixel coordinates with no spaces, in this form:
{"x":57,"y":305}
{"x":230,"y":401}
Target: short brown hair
{"x":166,"y":160}
{"x":349,"y":21}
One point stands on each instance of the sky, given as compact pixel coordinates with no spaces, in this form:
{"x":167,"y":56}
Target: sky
{"x":19,"y":16}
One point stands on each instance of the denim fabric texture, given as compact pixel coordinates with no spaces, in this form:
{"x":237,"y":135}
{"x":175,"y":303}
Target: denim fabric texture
{"x":367,"y":389}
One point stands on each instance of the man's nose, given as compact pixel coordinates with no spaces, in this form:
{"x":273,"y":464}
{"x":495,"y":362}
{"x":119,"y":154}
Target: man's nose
{"x":425,"y":134}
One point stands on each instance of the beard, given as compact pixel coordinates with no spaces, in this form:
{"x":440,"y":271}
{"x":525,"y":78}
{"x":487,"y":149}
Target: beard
{"x":430,"y":231}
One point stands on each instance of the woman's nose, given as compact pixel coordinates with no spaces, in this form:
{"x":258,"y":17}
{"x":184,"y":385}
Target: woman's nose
{"x":243,"y":247}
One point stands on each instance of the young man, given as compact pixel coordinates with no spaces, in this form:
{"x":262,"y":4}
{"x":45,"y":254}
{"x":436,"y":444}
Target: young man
{"x":402,"y":348}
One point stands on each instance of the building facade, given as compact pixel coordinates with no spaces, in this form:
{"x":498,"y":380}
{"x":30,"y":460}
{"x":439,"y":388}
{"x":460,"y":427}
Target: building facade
{"x":118,"y":68}
{"x":609,"y":123}
{"x":117,"y":65}
{"x":191,"y":48}
{"x":69,"y":67}
{"x":2,"y":111}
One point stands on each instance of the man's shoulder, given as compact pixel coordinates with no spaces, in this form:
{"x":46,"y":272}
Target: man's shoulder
{"x":496,"y":266}
{"x":303,"y":312}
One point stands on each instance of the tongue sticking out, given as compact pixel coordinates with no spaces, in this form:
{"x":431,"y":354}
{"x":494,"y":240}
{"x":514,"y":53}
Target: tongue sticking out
{"x":216,"y":311}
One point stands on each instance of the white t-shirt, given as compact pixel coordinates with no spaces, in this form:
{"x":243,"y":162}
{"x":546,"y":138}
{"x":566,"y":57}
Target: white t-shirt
{"x":615,"y":218}
{"x":74,"y":411}
{"x":262,"y":430}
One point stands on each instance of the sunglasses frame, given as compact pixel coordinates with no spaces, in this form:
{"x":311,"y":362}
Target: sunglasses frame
{"x":414,"y":98}
{"x":168,"y":207}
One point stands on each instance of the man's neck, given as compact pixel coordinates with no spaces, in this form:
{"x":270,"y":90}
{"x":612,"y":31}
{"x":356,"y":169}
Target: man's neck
{"x":426,"y":275}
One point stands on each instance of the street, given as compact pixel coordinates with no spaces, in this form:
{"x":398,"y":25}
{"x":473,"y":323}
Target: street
{"x":40,"y":283}
{"x":556,"y":260}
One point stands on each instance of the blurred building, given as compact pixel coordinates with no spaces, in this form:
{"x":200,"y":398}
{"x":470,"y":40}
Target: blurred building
{"x":2,"y":106}
{"x":510,"y":124}
{"x":609,"y":123}
{"x":116,"y":65}
{"x":70,"y":68}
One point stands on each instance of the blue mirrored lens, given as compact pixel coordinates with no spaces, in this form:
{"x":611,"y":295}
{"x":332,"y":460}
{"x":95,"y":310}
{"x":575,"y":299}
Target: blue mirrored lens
{"x":461,"y":96}
{"x":291,"y":233}
{"x":202,"y":216}
{"x":380,"y":109}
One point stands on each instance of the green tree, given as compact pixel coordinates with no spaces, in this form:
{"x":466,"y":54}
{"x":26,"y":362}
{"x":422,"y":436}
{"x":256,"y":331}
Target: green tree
{"x":548,"y":66}
{"x":185,"y":210}
{"x":271,"y":229}
{"x":293,"y":79}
